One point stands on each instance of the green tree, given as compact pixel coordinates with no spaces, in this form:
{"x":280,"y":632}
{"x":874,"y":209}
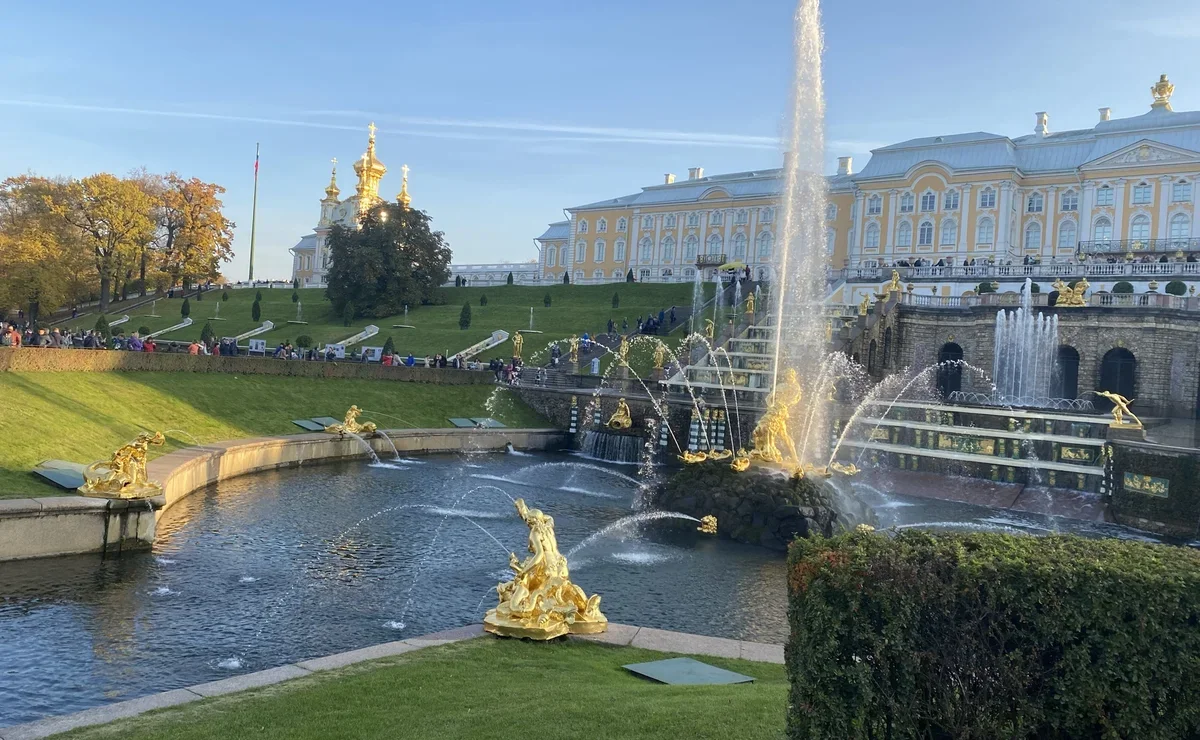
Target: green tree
{"x":102,"y":327}
{"x":224,"y":295}
{"x":186,"y":309}
{"x":566,"y":278}
{"x":295,"y":296}
{"x":483,"y":299}
{"x":1176,"y":287}
{"x":257,"y":296}
{"x":389,"y":347}
{"x":256,"y":311}
{"x":510,"y":279}
{"x":1034,"y":289}
{"x":1123,"y":287}
{"x":143,"y":330}
{"x":464,"y":318}
{"x":348,"y":314}
{"x":546,"y":301}
{"x":616,"y":300}
{"x":629,"y":276}
{"x":984,"y":287}
{"x":296,"y":285}
{"x":393,"y":260}
{"x":208,"y":335}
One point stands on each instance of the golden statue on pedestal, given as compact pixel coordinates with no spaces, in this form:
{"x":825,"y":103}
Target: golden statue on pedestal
{"x":894,"y":285}
{"x":540,"y":602}
{"x":123,"y":476}
{"x":518,"y":343}
{"x":660,"y":355}
{"x":1069,"y":297}
{"x":750,"y":303}
{"x":709,"y":329}
{"x":623,"y":351}
{"x":691,"y":458}
{"x":351,"y":425}
{"x":621,"y":418}
{"x":771,"y":432}
{"x":862,"y":307}
{"x":573,"y":351}
{"x":1120,"y":409}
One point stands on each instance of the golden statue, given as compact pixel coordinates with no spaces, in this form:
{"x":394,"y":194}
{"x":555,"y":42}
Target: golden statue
{"x":540,"y":602}
{"x":894,"y":285}
{"x":740,"y":463}
{"x":772,"y":429}
{"x":350,"y":424}
{"x":123,"y":476}
{"x":708,"y":524}
{"x":862,"y":307}
{"x":709,"y":329}
{"x":623,"y":351}
{"x":828,"y":331}
{"x":691,"y":458}
{"x":621,"y":418}
{"x":660,"y":355}
{"x":1162,"y":91}
{"x":573,"y":352}
{"x":720,"y":454}
{"x":518,"y":344}
{"x":1120,"y":409}
{"x":1069,"y":297}
{"x":750,"y":303}
{"x":850,"y":469}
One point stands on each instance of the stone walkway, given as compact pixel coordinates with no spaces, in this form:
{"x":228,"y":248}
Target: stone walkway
{"x":623,"y":635}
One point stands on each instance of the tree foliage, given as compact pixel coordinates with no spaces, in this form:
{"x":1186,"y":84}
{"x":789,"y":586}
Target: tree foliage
{"x":194,"y":237}
{"x":616,"y":302}
{"x":509,"y":281}
{"x":483,"y":299}
{"x":392,"y":261}
{"x":389,"y":347}
{"x":102,"y":328}
{"x":208,"y":335}
{"x":1122,"y":287}
{"x":464,"y":317}
{"x":186,"y":309}
{"x":1176,"y":287}
{"x":42,"y":261}
{"x":256,"y":311}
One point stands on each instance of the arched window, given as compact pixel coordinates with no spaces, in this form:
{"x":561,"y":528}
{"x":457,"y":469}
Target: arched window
{"x":582,"y":229}
{"x":668,"y":248}
{"x":764,"y":245}
{"x":906,"y":203}
{"x":874,"y":205}
{"x":714,"y":244}
{"x":904,"y":235}
{"x":1069,"y":201}
{"x":622,"y":224}
{"x":928,"y":201}
{"x":619,"y":250}
{"x":647,"y":222}
{"x":950,"y":362}
{"x":987,"y":198}
{"x":580,"y":250}
{"x":950,"y":200}
{"x":1181,"y":226}
{"x":550,"y":254}
{"x":693,"y":219}
{"x":647,"y":245}
{"x":689,"y":272}
{"x":872,"y":236}
{"x":985,"y":231}
{"x":1104,"y":196}
{"x":739,"y":246}
{"x":690,"y":246}
{"x":602,"y":226}
{"x":830,"y":212}
{"x":1066,"y":235}
{"x":670,"y":221}
{"x":925,"y":234}
{"x":1065,"y":382}
{"x":1035,"y":203}
{"x":1139,"y":228}
{"x":830,"y":241}
{"x":598,"y":250}
{"x":949,"y":231}
{"x":643,"y":274}
{"x":1033,"y":236}
{"x":598,"y":274}
{"x":1118,"y":373}
{"x":767,"y":215}
{"x":1102,"y":231}
{"x":716,"y":218}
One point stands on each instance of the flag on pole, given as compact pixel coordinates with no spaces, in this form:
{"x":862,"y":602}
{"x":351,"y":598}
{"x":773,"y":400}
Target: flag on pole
{"x":256,"y":162}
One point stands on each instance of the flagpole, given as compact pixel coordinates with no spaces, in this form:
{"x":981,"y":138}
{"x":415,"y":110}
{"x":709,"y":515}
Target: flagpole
{"x":254,"y":212}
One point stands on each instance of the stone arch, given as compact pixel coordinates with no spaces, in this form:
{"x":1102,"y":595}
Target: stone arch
{"x":1065,"y":383}
{"x":1118,"y":373}
{"x":950,"y":358}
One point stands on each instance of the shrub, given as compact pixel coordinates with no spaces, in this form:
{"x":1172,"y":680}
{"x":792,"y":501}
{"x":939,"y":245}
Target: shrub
{"x":256,"y":311}
{"x":992,"y":635}
{"x":348,"y":314}
{"x":186,"y":309}
{"x":483,"y":299}
{"x":304,"y":341}
{"x":295,"y":296}
{"x":509,"y":280}
{"x":207,"y":334}
{"x":458,"y":281}
{"x":257,"y":296}
{"x":546,"y":301}
{"x":1123,"y":287}
{"x":143,"y":330}
{"x":1177,"y":287}
{"x":984,"y":287}
{"x":1034,"y":289}
{"x":295,"y":283}
{"x":616,"y":300}
{"x":389,"y":347}
{"x":102,"y":327}
{"x":224,"y":295}
{"x":464,"y":318}
{"x":629,"y":276}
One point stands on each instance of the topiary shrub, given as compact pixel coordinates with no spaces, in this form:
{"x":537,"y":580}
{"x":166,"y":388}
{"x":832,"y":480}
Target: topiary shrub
{"x":207,"y":334}
{"x":186,"y":309}
{"x":483,"y":300}
{"x":464,"y":317}
{"x":304,"y":341}
{"x":616,"y":302}
{"x":546,"y":301}
{"x":629,"y":276}
{"x":389,"y":347}
{"x":1121,"y":287}
{"x":1176,"y":287}
{"x":102,"y":327}
{"x":992,"y":635}
{"x":256,"y":311}
{"x":984,"y":287}
{"x":348,"y":314}
{"x":295,"y":296}
{"x":566,"y":278}
{"x":1034,"y":289}
{"x":224,"y":295}
{"x":258,"y":296}
{"x":509,"y":279}
{"x":143,"y":330}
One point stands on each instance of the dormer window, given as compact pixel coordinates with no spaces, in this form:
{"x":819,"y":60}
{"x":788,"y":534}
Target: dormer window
{"x":717,"y":218}
{"x":906,"y":203}
{"x":928,"y":202}
{"x":1035,"y":203}
{"x":647,"y":222}
{"x":1141,"y":194}
{"x":622,"y":225}
{"x":670,"y":221}
{"x":602,"y":226}
{"x":874,"y":205}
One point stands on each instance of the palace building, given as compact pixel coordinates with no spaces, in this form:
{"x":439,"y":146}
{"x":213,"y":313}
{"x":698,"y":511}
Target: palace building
{"x":1122,"y":190}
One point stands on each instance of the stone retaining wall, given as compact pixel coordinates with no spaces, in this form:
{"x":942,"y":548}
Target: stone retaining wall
{"x":43,"y":360}
{"x":67,"y":525}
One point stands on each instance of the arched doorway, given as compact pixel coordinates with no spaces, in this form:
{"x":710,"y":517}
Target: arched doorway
{"x":1066,"y":373}
{"x":1118,"y":373}
{"x":950,"y":370}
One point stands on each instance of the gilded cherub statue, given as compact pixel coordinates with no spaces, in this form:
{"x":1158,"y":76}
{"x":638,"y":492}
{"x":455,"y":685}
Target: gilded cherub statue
{"x":862,"y":307}
{"x":621,"y":418}
{"x":894,"y":285}
{"x":518,"y":342}
{"x":1069,"y":297}
{"x":1120,"y":409}
{"x":750,"y":303}
{"x":573,"y":352}
{"x":709,"y":329}
{"x":540,"y":602}
{"x":660,"y":355}
{"x":124,"y":475}
{"x":351,"y":425}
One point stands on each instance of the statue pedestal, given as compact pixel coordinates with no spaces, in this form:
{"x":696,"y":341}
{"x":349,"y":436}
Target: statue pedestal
{"x":1126,"y":433}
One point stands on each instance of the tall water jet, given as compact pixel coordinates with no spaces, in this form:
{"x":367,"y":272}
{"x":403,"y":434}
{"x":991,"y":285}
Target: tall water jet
{"x":800,"y":281}
{"x":1026,"y":347}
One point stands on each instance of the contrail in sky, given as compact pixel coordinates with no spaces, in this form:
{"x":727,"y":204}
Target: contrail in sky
{"x":443,"y":128}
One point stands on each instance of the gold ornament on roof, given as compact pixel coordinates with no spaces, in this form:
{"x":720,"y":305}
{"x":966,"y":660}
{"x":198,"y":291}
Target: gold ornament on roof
{"x":1120,"y":410}
{"x":541,"y":602}
{"x":621,"y":418}
{"x":351,"y":425}
{"x":370,"y":171}
{"x":1162,"y":91}
{"x":332,"y":191}
{"x":124,"y":475}
{"x":403,"y":198}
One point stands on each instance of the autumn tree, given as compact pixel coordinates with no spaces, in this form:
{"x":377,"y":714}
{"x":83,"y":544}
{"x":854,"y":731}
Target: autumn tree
{"x":194,"y":237}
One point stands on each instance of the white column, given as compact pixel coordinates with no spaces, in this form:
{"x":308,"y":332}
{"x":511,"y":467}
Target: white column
{"x":1085,"y":211}
{"x":893,"y":203}
{"x":632,"y":250}
{"x":1195,"y":203}
{"x":656,"y":250}
{"x":1004,"y":216}
{"x":727,"y":219}
{"x":1164,"y":196}
{"x":1051,"y":227}
{"x":860,"y":215}
{"x":752,"y":226}
{"x":1119,"y":232}
{"x":964,"y":213}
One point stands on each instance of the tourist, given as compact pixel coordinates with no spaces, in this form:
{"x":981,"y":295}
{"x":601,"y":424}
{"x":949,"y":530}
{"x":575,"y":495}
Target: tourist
{"x":194,"y":348}
{"x":149,"y":346}
{"x":612,"y":326}
{"x":625,"y":325}
{"x":135,"y":343}
{"x":672,"y":316}
{"x":640,"y":325}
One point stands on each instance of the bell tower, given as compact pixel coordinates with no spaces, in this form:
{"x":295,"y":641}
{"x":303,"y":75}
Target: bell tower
{"x":370,"y":171}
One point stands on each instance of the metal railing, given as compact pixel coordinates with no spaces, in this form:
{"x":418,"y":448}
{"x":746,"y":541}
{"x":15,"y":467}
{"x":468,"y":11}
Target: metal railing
{"x":1136,"y":246}
{"x":1065,"y":270}
{"x":1096,"y":300}
{"x":710,"y":260}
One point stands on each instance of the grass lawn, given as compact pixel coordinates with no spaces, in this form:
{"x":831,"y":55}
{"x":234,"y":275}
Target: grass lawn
{"x":483,"y":689}
{"x":574,"y":309}
{"x":85,"y":416}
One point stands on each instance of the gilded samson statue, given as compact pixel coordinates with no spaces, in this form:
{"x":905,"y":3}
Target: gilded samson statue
{"x":123,"y":476}
{"x":351,"y":425}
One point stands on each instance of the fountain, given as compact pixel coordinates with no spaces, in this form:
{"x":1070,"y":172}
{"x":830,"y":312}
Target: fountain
{"x":299,"y":314}
{"x":1026,"y":345}
{"x":124,"y":475}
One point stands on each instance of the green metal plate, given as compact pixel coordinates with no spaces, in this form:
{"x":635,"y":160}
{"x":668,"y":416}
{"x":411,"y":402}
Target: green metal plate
{"x":460,"y":422}
{"x":66,"y":479}
{"x":488,"y":422}
{"x":326,"y":421}
{"x":311,"y":426}
{"x":686,"y":672}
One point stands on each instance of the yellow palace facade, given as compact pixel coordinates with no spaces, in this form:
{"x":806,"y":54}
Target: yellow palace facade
{"x":1124,"y":188}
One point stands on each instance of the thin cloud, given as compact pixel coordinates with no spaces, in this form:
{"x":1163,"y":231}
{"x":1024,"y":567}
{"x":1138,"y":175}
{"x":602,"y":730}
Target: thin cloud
{"x":444,"y":129}
{"x":1176,"y":27}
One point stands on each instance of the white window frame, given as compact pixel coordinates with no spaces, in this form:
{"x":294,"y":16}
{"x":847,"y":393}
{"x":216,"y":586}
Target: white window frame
{"x":928,"y":201}
{"x":1184,"y":233}
{"x":693,"y":219}
{"x":668,"y":248}
{"x":741,"y":217}
{"x":925,"y":235}
{"x":602,"y":226}
{"x":872,"y":236}
{"x":622,"y":224}
{"x":768,"y":215}
{"x":647,"y":222}
{"x":1069,"y":203}
{"x":551,"y":253}
{"x":987,"y":197}
{"x":948,"y":233}
{"x":1035,"y":203}
{"x":1143,"y":194}
{"x":950,"y":200}
{"x":580,"y":250}
{"x":564,"y":255}
{"x":874,"y":205}
{"x":716,"y":218}
{"x":1102,"y":223}
{"x":830,"y":241}
{"x":831,"y":212}
{"x":1105,"y":195}
{"x":671,"y":221}
{"x":691,"y":247}
{"x":990,"y":236}
{"x":765,"y":243}
{"x":908,"y":202}
{"x":1141,"y":222}
{"x":646,"y":252}
{"x":1074,"y":235}
{"x":1033,"y":227}
{"x":904,"y":235}
{"x":619,"y":250}
{"x":1181,"y":191}
{"x":598,"y":250}
{"x":582,"y":226}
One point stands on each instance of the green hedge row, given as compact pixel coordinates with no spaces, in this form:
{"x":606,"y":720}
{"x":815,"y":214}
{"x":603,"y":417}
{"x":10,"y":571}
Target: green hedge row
{"x":992,"y":636}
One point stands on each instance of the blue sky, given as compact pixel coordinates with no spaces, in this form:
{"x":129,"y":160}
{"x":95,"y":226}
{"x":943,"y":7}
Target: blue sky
{"x":509,"y":112}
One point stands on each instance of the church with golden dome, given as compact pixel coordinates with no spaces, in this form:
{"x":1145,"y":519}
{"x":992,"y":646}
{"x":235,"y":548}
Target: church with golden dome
{"x":310,"y":257}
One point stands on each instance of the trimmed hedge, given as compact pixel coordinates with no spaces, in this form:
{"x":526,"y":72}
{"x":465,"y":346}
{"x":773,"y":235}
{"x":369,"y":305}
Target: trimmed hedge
{"x":992,"y":636}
